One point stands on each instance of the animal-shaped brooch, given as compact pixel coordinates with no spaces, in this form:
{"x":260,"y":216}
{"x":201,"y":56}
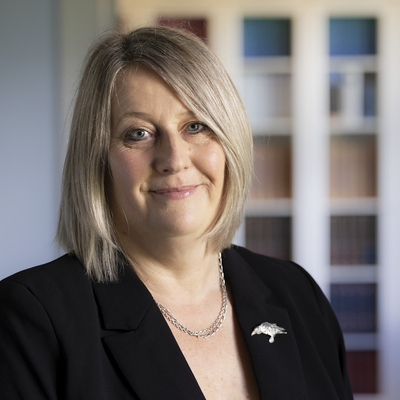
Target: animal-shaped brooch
{"x":268,"y":329}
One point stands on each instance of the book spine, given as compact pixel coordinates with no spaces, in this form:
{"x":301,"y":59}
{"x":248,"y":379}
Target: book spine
{"x":362,"y":369}
{"x":270,"y":236}
{"x":355,"y":306}
{"x":353,"y":240}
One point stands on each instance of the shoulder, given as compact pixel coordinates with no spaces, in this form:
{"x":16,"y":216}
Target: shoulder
{"x":58,"y":282}
{"x":47,"y":313}
{"x":276,"y":272}
{"x":54,"y":300}
{"x":290,"y":285}
{"x":58,"y":272}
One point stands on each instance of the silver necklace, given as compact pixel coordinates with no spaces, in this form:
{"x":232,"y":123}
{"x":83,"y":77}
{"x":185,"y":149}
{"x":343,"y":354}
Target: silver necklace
{"x":205,"y":333}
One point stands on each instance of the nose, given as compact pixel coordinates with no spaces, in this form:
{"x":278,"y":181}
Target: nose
{"x":172,"y":153}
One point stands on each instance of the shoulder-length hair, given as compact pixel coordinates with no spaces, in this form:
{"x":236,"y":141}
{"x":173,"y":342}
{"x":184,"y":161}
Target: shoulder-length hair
{"x":85,"y":226}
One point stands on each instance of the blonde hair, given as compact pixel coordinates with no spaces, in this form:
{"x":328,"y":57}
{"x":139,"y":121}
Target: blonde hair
{"x":85,"y":226}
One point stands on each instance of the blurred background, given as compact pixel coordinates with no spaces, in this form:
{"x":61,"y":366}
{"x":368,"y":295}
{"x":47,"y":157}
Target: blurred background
{"x":321,"y":82}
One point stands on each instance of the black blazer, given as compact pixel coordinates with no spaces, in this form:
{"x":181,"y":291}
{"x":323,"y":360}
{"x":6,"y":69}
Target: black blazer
{"x":65,"y":337}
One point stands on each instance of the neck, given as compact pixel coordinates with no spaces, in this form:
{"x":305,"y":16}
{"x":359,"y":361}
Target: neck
{"x":175,"y":270}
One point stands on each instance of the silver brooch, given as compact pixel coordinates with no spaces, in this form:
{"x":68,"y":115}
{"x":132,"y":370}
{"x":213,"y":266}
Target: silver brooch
{"x":268,"y":329}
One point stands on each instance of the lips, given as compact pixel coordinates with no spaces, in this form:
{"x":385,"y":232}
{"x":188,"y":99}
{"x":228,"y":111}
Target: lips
{"x":175,"y":189}
{"x":175,"y":193}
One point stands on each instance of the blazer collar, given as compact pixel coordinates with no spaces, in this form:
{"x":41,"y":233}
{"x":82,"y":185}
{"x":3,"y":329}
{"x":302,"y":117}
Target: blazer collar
{"x":140,"y":341}
{"x":277,"y":366}
{"x":150,"y":359}
{"x":123,"y":304}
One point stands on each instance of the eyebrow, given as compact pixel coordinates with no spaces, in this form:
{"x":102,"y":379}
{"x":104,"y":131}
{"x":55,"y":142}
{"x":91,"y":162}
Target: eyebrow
{"x":137,"y":114}
{"x":144,"y":115}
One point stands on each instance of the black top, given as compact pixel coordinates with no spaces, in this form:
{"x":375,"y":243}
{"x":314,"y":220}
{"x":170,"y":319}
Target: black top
{"x":64,"y":337}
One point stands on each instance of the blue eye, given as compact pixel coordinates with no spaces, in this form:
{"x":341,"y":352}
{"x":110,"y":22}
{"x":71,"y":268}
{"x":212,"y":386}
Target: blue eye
{"x":193,"y":127}
{"x":196,"y":127}
{"x":136,"y":134}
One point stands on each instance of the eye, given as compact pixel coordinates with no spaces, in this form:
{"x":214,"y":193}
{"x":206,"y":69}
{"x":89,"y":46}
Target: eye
{"x":136,"y":134}
{"x":196,"y":127}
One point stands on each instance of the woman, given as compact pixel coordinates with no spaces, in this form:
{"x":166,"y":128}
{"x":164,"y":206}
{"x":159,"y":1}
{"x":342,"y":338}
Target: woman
{"x":144,"y":306}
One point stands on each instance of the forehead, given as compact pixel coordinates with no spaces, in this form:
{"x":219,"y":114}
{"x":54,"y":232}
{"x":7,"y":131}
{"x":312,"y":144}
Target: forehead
{"x":139,"y":87}
{"x":140,"y":73}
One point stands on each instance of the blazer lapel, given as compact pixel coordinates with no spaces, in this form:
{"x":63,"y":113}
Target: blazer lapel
{"x":277,"y":365}
{"x":141,"y":342}
{"x":146,"y":352}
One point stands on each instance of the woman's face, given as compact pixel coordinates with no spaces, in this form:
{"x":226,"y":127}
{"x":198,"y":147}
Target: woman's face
{"x":167,"y":168}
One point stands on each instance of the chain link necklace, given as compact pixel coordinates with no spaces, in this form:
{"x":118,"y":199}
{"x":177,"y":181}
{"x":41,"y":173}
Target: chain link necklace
{"x":205,"y":333}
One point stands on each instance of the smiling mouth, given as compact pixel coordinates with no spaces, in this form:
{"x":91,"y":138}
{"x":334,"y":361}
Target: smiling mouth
{"x":175,"y":193}
{"x":175,"y":189}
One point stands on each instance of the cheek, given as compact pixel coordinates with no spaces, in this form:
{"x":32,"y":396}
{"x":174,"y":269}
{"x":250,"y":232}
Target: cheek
{"x":214,"y":161}
{"x":127,"y":170}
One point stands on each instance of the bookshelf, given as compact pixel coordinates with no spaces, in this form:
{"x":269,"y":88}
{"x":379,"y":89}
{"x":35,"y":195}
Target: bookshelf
{"x":351,"y":150}
{"x":338,"y":110}
{"x":353,"y":191}
{"x":267,"y":75}
{"x":267,"y":93}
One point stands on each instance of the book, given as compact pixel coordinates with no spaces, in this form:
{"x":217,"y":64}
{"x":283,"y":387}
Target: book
{"x":362,"y":369}
{"x":355,"y":306}
{"x":353,"y":240}
{"x":198,"y":26}
{"x":353,"y":98}
{"x":352,"y":36}
{"x":353,"y":166}
{"x":265,"y":37}
{"x":271,"y":236}
{"x":335,"y":86}
{"x":370,"y":93}
{"x":272,"y":168}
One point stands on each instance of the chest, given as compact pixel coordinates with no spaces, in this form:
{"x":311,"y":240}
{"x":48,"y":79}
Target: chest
{"x":221,"y":363}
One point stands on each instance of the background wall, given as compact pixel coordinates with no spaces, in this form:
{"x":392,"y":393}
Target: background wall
{"x":29,"y":149}
{"x":42,"y":45}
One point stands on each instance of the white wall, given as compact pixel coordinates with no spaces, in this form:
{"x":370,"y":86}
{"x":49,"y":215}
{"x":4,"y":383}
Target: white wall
{"x":28,"y":139}
{"x":42,"y":45}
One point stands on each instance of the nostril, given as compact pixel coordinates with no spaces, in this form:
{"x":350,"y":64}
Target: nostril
{"x":173,"y":155}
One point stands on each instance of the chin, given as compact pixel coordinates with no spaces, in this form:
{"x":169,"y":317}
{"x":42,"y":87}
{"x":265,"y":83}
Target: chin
{"x":181,"y":225}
